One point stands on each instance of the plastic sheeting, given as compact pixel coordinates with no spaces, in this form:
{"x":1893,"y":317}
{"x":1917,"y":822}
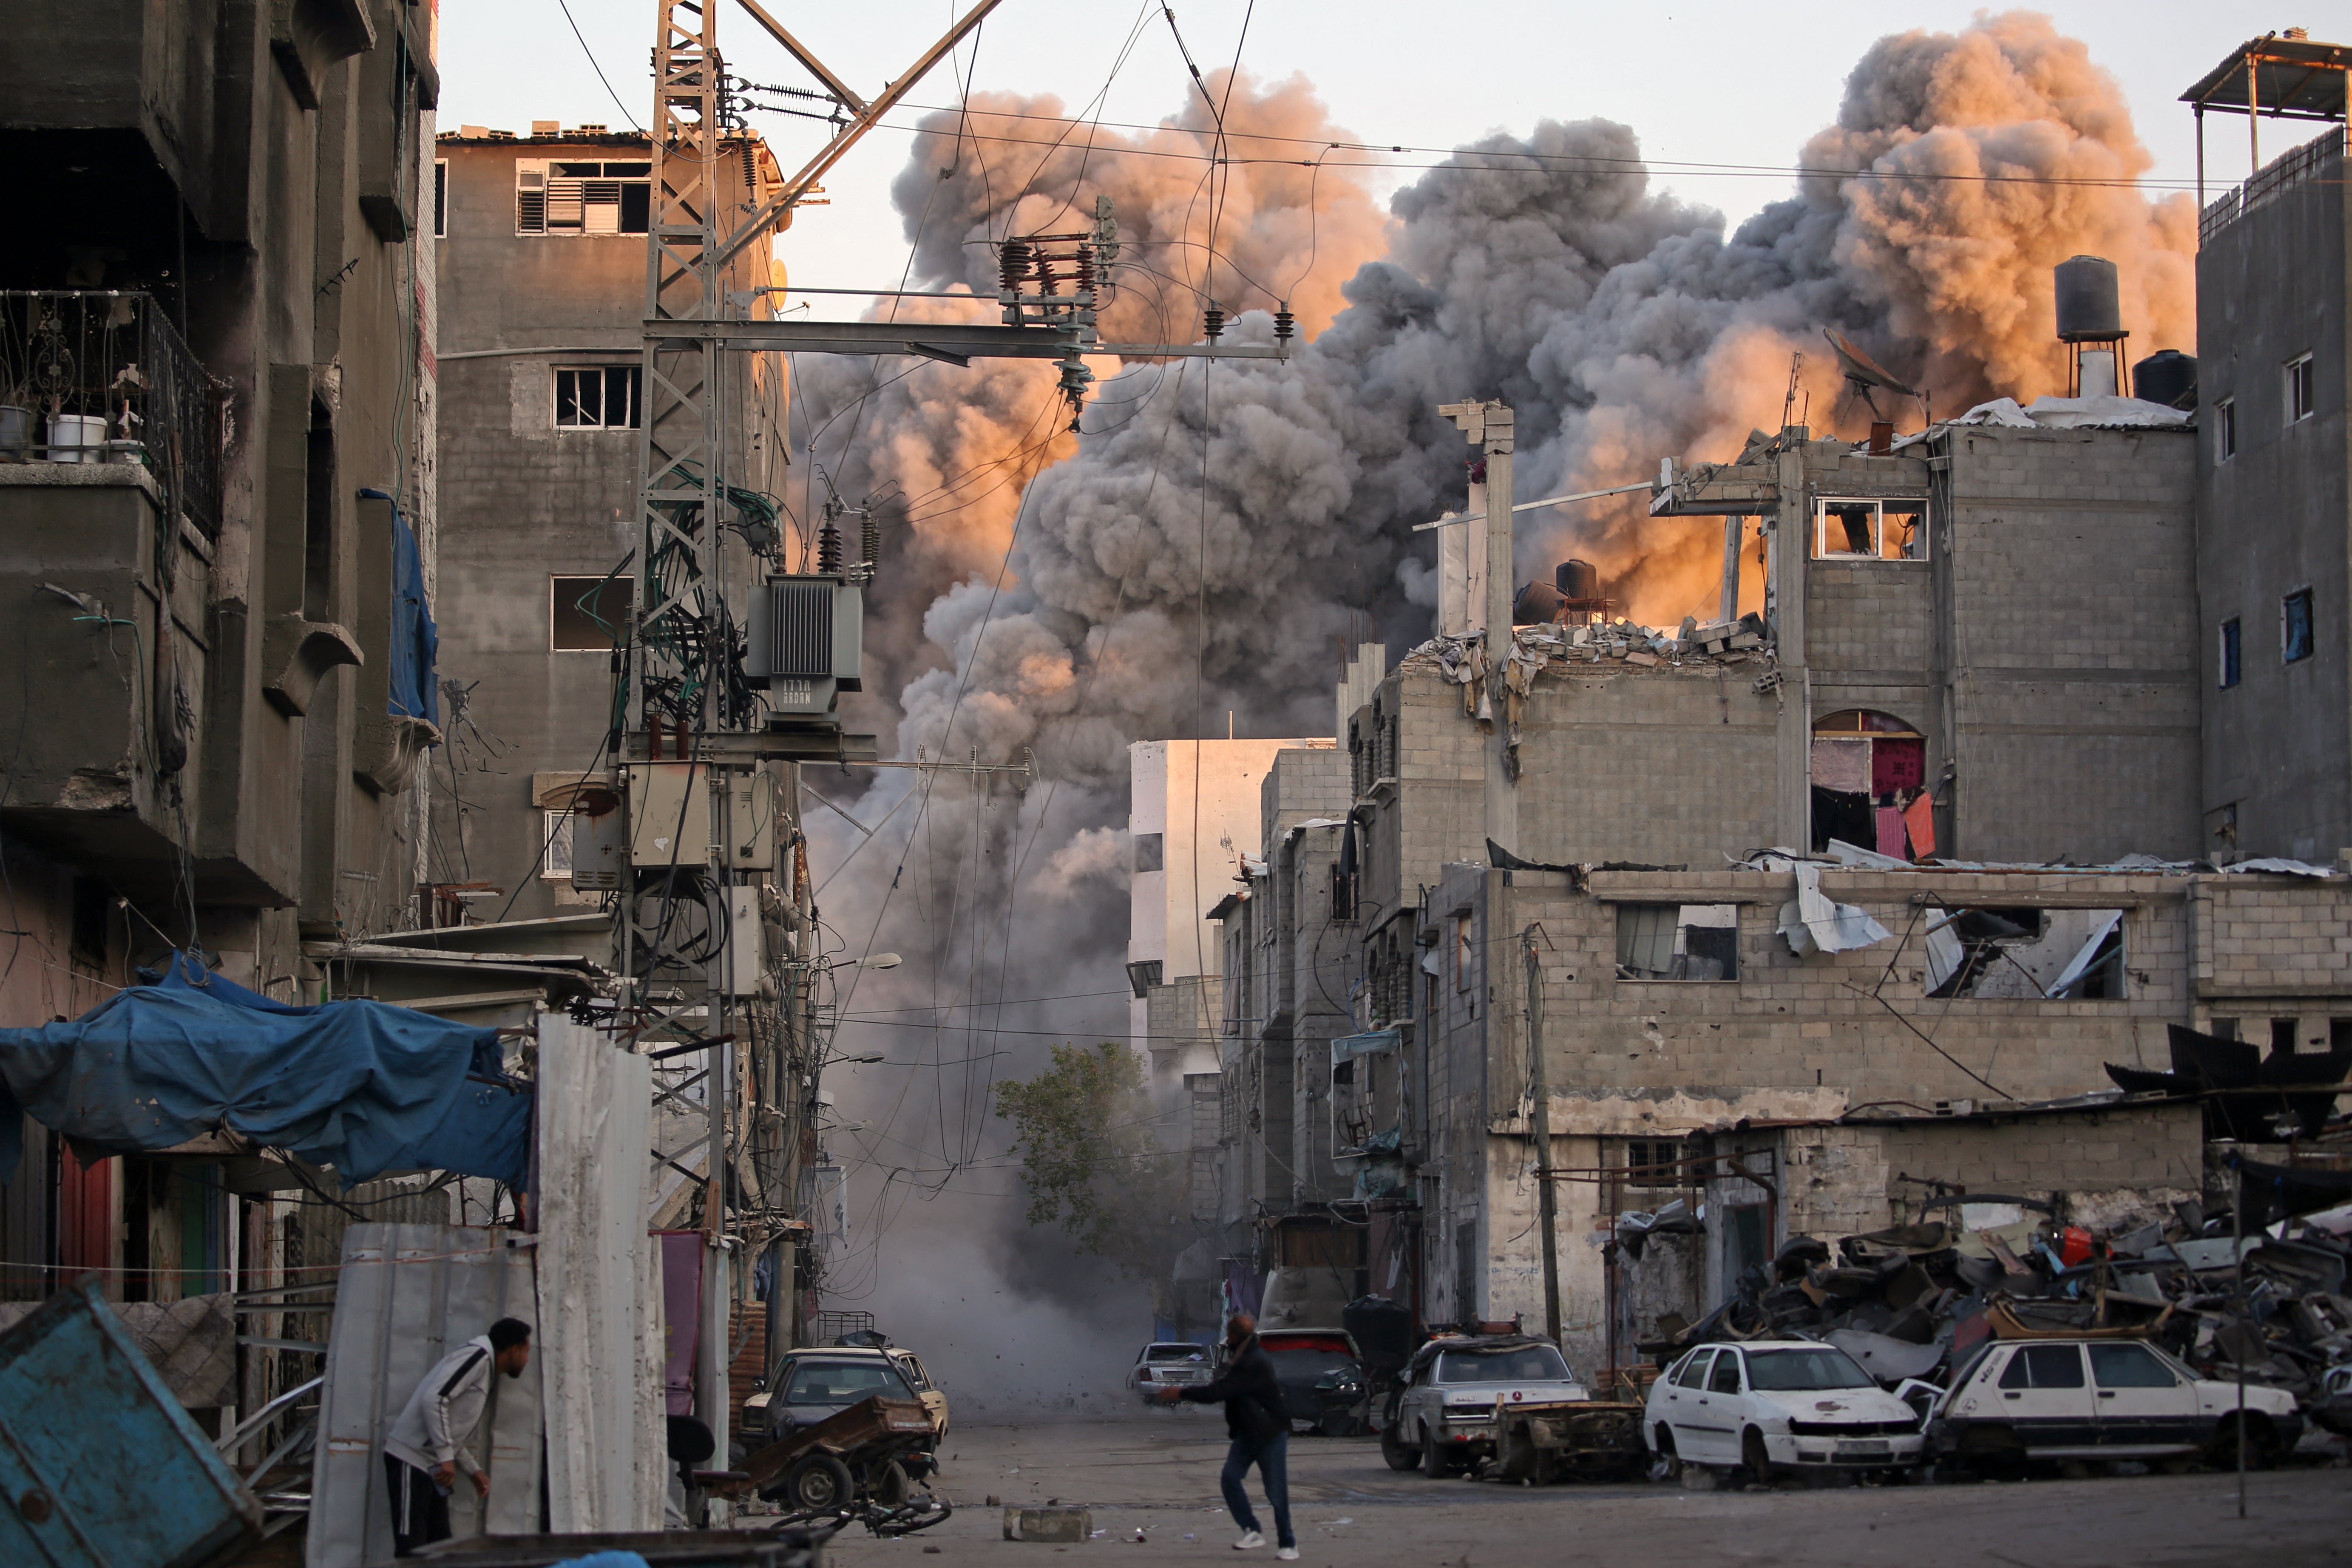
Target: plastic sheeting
{"x":599,"y":1286}
{"x":362,"y":1087}
{"x":1812,"y":922}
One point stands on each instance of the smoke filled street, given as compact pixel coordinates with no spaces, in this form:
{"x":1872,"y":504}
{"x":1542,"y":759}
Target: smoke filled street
{"x":1158,"y":1474}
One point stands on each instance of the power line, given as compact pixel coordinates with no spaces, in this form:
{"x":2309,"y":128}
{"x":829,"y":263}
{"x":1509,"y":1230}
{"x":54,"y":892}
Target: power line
{"x":565,"y":6}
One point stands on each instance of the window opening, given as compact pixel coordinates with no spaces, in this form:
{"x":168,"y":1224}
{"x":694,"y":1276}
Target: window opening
{"x":440,"y":198}
{"x":1150,"y":851}
{"x":588,"y":615}
{"x":1852,"y":529}
{"x":1676,"y":1162}
{"x":2225,"y":429}
{"x":2295,"y":626}
{"x":1678,"y":941}
{"x":555,"y":864}
{"x":599,"y":397}
{"x":581,"y":197}
{"x":1870,"y":785}
{"x":2026,"y":954}
{"x":2300,"y":389}
{"x":2230,"y":648}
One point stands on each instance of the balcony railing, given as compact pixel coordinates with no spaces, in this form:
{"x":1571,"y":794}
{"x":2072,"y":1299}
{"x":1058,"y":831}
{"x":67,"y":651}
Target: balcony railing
{"x":92,"y":376}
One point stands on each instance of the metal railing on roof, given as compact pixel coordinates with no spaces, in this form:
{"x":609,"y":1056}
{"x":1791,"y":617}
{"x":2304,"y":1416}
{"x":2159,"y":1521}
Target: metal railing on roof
{"x":99,"y":375}
{"x":2281,"y":175}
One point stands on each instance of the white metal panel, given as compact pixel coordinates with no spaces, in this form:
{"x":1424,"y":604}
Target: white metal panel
{"x":407,"y":1295}
{"x":599,"y":1284}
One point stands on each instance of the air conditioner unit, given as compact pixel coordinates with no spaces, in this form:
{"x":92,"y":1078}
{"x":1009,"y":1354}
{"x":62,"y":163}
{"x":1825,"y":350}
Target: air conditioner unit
{"x":805,"y":637}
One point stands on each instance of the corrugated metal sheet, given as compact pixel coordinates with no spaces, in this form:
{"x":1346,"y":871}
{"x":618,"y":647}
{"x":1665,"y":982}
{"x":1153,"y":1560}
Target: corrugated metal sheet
{"x":599,"y":1284}
{"x":99,"y":1467}
{"x":409,"y":1294}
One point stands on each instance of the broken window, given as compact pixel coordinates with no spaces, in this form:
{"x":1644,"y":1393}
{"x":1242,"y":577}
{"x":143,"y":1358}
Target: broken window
{"x":1853,"y":530}
{"x":1870,"y":785}
{"x":2295,"y":626}
{"x":1678,"y":941}
{"x":1666,"y":1161}
{"x":578,"y":198}
{"x":597,"y":397}
{"x":2225,"y":429}
{"x":2026,"y":954}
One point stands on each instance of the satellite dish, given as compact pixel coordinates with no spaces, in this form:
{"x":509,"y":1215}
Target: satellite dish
{"x":1862,"y":373}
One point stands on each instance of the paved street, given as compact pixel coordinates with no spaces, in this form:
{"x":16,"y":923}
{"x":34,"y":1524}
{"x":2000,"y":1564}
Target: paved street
{"x":1157,"y":1473}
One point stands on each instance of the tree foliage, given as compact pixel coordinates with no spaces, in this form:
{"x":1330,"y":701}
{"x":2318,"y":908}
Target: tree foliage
{"x":1090,"y":1160}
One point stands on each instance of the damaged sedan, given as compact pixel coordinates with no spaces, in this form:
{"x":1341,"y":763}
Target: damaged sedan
{"x":1778,"y":1407}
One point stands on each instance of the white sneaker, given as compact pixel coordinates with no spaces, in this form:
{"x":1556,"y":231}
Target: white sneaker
{"x":1250,"y":1541}
{"x":1288,"y":1555}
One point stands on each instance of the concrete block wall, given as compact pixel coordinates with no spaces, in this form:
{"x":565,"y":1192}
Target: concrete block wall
{"x":2074,"y":673}
{"x":2270,"y":941}
{"x":1840,"y":1024}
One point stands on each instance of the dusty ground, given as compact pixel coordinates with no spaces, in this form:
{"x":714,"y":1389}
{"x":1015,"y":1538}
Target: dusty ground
{"x":1157,"y":1472}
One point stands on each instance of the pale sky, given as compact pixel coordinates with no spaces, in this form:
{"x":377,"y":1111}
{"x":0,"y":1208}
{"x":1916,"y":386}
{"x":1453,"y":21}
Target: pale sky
{"x":1699,"y":82}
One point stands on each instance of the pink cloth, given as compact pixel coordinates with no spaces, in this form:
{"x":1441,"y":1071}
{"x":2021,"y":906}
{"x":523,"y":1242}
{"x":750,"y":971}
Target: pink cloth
{"x":1842,"y":765}
{"x":1890,"y":833}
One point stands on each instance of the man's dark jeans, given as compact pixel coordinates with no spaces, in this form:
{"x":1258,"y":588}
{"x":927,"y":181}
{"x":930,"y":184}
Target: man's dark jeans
{"x":1272,"y":1459}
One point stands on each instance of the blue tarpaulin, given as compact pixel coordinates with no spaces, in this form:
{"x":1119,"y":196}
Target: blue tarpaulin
{"x":415,"y":644}
{"x":363,"y":1087}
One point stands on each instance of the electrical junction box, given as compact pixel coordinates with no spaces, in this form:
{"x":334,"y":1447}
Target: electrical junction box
{"x":805,"y":638}
{"x":745,"y":950}
{"x":669,"y":815}
{"x":599,"y":851}
{"x":752,"y":804}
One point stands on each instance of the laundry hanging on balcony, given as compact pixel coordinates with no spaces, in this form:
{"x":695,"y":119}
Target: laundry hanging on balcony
{"x":363,"y":1087}
{"x":416,"y":643}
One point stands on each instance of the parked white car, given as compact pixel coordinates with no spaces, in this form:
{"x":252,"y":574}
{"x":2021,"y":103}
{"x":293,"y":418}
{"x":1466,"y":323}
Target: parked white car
{"x":2015,"y":1400}
{"x":1165,"y":1362}
{"x":1776,"y":1406}
{"x":1443,"y":1416}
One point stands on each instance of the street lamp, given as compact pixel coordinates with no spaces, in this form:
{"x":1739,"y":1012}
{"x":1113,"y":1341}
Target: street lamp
{"x":876,"y":961}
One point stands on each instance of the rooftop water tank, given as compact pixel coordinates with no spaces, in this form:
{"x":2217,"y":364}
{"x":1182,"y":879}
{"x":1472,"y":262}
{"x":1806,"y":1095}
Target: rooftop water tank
{"x":2167,"y":376}
{"x":1578,"y":580}
{"x":2088,"y":311}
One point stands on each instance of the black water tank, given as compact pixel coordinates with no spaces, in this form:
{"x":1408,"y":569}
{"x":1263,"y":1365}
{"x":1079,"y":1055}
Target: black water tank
{"x":1537,"y":603}
{"x":1578,"y":580}
{"x":2087,"y":302}
{"x":2167,"y":376}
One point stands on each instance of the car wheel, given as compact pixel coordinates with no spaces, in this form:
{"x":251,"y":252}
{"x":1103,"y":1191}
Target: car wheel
{"x":890,"y":1484}
{"x":2262,"y":1441}
{"x":1436,"y":1462}
{"x":818,"y":1483}
{"x":1670,"y":1464}
{"x":1396,"y":1451}
{"x":1752,"y":1454}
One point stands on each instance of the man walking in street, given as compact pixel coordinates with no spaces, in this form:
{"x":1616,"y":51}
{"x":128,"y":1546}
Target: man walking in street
{"x":1260,"y":1431}
{"x":426,"y":1445}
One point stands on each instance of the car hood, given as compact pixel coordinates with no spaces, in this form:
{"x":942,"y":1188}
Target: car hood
{"x":1835,"y":1404}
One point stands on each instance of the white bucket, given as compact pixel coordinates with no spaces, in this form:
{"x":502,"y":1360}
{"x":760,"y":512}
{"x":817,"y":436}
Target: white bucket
{"x":75,"y":438}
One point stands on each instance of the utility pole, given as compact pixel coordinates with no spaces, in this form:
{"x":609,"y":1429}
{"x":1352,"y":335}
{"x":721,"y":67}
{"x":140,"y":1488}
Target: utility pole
{"x":1490,"y":425}
{"x":1547,"y":1192}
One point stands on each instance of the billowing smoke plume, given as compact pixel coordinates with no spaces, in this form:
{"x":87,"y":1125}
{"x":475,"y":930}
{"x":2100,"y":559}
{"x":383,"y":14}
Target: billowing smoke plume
{"x":1216,"y":533}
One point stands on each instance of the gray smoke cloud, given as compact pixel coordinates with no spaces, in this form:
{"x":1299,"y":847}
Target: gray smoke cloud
{"x":1216,"y":533}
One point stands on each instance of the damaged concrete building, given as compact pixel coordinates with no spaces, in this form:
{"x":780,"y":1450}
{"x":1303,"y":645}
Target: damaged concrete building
{"x":1841,"y":910}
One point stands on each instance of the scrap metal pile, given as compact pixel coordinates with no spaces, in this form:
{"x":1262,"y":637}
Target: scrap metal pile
{"x":1907,"y":1302}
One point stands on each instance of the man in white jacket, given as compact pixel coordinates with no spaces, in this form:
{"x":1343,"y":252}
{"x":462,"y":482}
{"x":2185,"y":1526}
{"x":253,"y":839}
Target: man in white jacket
{"x":426,"y":1446}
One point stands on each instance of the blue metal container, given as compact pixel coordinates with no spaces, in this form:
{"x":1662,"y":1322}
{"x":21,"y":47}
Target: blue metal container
{"x":99,"y":1467}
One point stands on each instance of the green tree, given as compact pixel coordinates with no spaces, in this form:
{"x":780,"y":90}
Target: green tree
{"x":1092,"y":1165}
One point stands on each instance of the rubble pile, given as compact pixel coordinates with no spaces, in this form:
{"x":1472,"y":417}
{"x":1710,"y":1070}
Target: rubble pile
{"x":1908,"y":1302}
